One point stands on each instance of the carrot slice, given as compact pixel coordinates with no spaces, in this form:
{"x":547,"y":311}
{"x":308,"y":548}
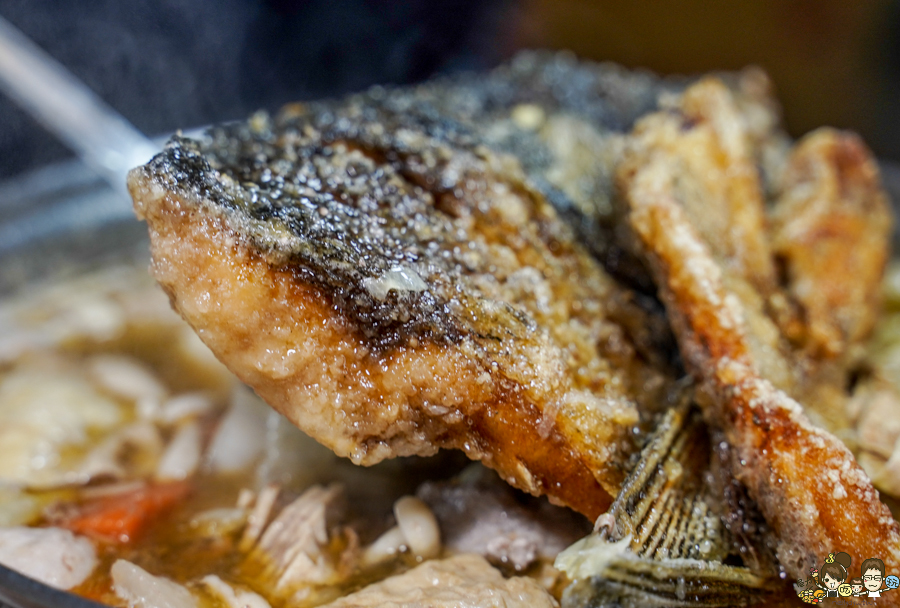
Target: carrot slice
{"x":123,"y":517}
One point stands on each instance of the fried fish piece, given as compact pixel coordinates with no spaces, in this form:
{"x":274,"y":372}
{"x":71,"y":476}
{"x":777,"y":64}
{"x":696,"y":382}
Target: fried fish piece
{"x":393,"y":282}
{"x":804,"y":255}
{"x":831,"y":226}
{"x":732,"y":316}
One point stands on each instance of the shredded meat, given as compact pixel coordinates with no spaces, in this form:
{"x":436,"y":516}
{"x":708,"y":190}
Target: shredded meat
{"x":463,"y":580}
{"x":294,"y":553}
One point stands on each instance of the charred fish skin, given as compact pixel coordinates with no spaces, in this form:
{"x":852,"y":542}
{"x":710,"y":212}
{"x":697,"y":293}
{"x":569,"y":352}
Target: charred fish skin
{"x":390,"y":279}
{"x":420,"y":135}
{"x":557,"y":117}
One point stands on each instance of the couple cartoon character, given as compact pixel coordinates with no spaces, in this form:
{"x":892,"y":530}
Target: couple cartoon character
{"x":832,"y":580}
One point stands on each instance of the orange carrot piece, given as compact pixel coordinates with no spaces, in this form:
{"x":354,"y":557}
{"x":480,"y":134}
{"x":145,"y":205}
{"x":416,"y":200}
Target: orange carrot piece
{"x":123,"y":517}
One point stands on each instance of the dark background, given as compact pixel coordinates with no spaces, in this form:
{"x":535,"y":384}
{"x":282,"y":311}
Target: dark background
{"x":168,"y":64}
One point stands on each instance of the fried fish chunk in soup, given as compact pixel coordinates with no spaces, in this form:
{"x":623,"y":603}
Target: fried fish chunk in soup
{"x":759,"y":344}
{"x":394,"y":286}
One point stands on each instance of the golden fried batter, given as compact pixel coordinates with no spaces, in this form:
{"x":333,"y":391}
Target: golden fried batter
{"x":831,"y":227}
{"x":723,"y":306}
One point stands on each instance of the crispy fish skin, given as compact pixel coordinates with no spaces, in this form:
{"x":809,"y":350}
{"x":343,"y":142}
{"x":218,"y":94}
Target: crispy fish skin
{"x":393,"y":286}
{"x":811,"y":491}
